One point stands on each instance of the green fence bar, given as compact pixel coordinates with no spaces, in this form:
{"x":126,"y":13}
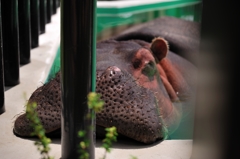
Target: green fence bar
{"x":77,"y":37}
{"x":24,"y":31}
{"x":10,"y":42}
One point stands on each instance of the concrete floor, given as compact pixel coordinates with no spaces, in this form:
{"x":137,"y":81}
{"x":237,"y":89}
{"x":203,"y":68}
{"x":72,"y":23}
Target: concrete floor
{"x":33,"y":75}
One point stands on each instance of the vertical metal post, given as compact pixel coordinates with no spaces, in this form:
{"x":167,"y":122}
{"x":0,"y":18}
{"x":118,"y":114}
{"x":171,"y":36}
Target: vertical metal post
{"x":24,"y":31}
{"x":42,"y":15}
{"x":54,"y":6}
{"x":58,"y":3}
{"x":2,"y":96}
{"x":216,"y":132}
{"x":10,"y":41}
{"x":35,"y":23}
{"x":49,"y":10}
{"x":77,"y":57}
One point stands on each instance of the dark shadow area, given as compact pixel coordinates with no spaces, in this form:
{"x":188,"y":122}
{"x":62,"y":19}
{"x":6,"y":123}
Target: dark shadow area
{"x":6,"y":88}
{"x":127,"y":143}
{"x":123,"y":142}
{"x":55,"y":137}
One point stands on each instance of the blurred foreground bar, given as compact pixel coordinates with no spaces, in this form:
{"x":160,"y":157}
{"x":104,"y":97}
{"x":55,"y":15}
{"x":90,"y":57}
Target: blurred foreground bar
{"x":2,"y":96}
{"x":77,"y":41}
{"x":216,"y":134}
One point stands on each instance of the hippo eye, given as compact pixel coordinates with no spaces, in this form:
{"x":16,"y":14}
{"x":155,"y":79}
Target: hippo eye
{"x":149,"y":69}
{"x":137,"y":63}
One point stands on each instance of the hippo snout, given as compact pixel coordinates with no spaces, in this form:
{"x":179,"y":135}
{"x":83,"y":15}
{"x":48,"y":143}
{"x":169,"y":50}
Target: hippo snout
{"x":128,"y":106}
{"x":48,"y":99}
{"x":22,"y":126}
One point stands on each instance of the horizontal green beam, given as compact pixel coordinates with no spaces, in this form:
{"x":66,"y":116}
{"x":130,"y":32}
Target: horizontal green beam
{"x":107,"y":11}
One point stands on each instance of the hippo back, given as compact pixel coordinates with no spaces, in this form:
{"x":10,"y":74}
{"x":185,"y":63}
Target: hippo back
{"x":182,"y":35}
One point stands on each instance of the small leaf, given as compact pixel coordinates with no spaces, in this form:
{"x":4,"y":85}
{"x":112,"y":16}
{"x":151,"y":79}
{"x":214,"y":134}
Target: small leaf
{"x":81,"y":133}
{"x":82,"y":145}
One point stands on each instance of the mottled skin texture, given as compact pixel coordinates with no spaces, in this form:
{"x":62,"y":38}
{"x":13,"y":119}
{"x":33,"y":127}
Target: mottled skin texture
{"x":147,"y":90}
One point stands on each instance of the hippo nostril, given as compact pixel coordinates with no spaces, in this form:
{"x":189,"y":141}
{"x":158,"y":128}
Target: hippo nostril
{"x":113,"y":68}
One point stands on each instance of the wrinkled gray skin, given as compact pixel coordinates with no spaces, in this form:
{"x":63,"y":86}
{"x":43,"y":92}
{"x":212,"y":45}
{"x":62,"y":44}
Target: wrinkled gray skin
{"x":143,"y":102}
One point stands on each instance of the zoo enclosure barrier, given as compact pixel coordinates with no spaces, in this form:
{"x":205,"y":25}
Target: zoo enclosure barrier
{"x":21,"y":23}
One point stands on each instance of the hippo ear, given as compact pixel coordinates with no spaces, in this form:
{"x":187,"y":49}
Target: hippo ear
{"x":159,"y":48}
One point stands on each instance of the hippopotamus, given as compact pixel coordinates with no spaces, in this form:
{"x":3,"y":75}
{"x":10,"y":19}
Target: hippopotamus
{"x":147,"y":89}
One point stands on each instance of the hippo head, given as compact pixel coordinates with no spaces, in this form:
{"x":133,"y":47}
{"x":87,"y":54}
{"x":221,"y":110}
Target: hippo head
{"x":138,"y":101}
{"x":136,"y":82}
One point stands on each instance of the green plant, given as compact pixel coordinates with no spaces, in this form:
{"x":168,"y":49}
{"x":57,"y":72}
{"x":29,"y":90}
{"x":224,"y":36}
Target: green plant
{"x":96,"y":104}
{"x":111,"y":135}
{"x":133,"y":157}
{"x":83,"y":145}
{"x":39,"y":131}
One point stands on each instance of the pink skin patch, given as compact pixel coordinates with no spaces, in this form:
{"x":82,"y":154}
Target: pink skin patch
{"x":167,"y":84}
{"x":173,"y":79}
{"x":141,"y":59}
